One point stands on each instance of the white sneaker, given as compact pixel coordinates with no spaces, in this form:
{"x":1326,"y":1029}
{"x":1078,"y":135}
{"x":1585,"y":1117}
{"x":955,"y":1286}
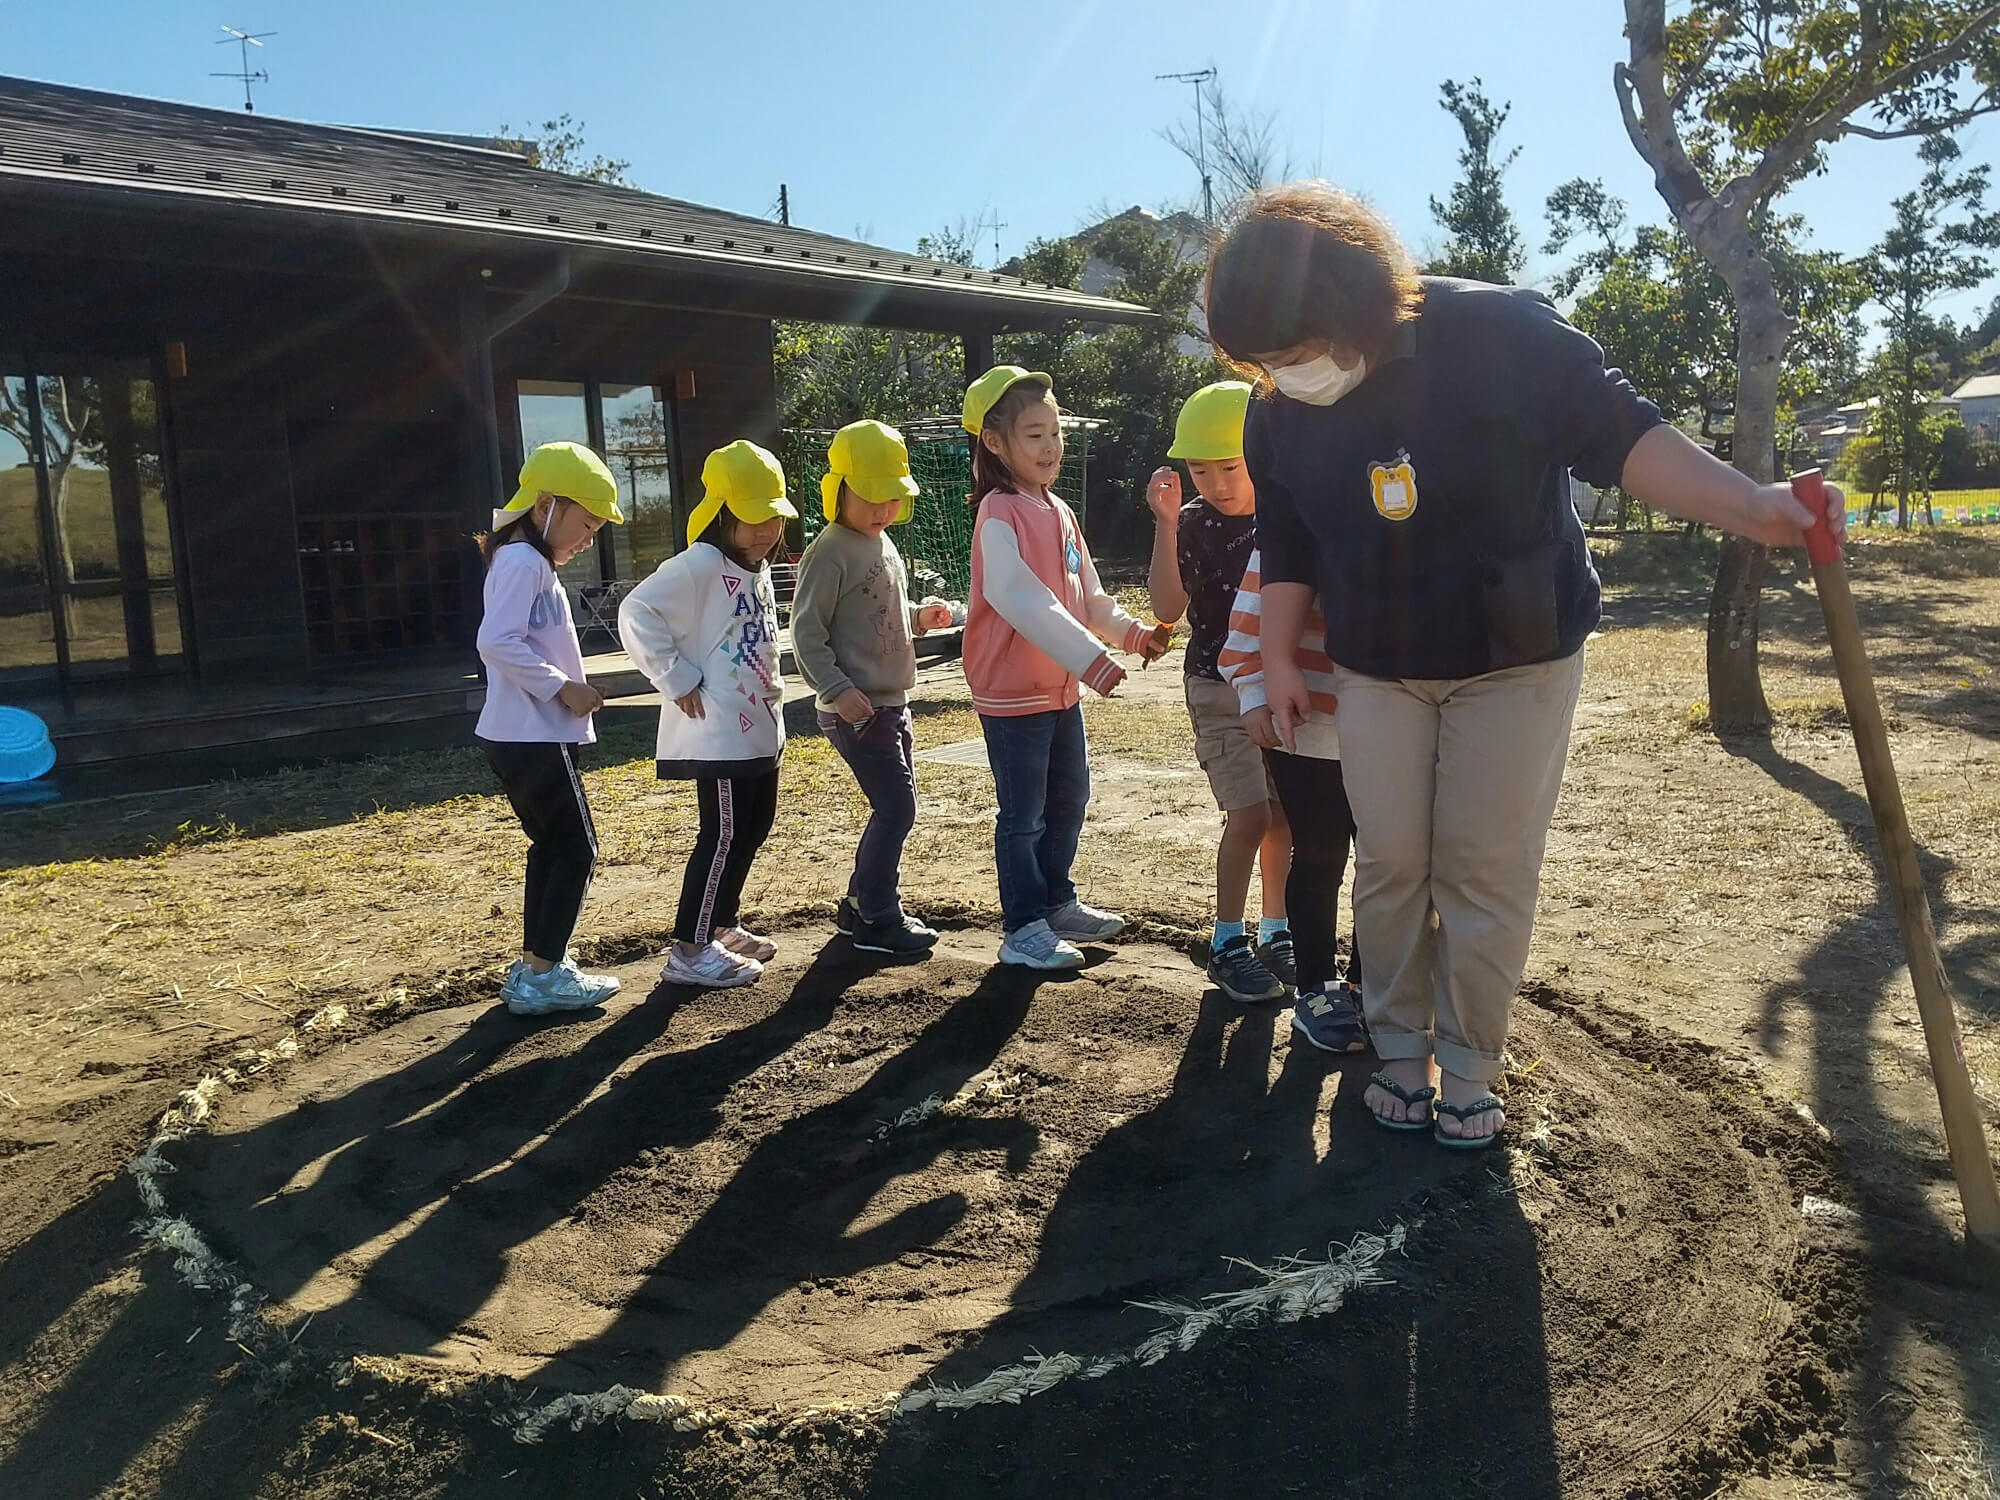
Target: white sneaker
{"x":1037,"y":947}
{"x":710,"y":967}
{"x":747,"y":944}
{"x":1084,"y":924}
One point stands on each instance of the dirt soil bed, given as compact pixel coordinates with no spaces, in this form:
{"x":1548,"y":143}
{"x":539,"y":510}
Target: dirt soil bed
{"x":713,"y":1196}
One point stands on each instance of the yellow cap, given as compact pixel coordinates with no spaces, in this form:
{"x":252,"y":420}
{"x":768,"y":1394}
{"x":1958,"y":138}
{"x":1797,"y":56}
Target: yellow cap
{"x":1210,"y":425}
{"x":745,"y":478}
{"x":569,"y":470}
{"x":873,"y":461}
{"x":984,"y":392}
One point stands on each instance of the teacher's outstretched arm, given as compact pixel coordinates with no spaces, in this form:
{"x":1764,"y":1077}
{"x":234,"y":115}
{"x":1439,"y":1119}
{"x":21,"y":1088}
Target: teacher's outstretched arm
{"x":1668,"y":471}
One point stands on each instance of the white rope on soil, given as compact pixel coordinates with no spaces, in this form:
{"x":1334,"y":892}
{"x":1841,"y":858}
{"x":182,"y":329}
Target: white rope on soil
{"x":987,"y":1088}
{"x":1294,"y":1288}
{"x":194,"y":1261}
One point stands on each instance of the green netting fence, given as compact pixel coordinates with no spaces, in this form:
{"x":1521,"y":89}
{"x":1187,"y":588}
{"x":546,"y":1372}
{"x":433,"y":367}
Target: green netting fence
{"x":936,"y":542}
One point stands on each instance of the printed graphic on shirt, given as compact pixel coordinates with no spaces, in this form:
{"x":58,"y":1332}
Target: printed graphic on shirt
{"x":1395,"y":487}
{"x":542,"y":613}
{"x":1072,"y":557}
{"x":885,"y":612}
{"x":750,"y":646}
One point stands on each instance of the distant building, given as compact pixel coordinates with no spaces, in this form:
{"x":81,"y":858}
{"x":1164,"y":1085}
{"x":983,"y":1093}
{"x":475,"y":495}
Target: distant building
{"x":1979,"y":407}
{"x":1190,"y":237}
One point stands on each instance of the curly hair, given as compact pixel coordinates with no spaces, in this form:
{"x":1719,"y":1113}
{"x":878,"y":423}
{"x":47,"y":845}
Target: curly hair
{"x":1308,"y":263}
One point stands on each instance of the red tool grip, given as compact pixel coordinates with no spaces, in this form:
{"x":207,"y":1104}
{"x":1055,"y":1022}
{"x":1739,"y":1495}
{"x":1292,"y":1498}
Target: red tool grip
{"x":1809,"y":489}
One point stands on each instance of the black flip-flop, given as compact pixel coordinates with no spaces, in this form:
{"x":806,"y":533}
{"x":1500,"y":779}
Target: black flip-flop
{"x":1405,"y":1097}
{"x":1460,"y":1113}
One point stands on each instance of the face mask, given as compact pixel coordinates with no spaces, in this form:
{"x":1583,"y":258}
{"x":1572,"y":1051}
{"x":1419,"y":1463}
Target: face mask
{"x":1318,"y":382}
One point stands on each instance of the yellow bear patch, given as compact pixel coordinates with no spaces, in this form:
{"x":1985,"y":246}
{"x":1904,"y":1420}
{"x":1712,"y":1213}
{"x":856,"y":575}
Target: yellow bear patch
{"x":1395,"y":487}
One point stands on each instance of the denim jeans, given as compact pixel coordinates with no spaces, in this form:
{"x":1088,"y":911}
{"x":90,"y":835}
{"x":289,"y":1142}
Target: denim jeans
{"x":880,"y":752}
{"x":1041,"y":775}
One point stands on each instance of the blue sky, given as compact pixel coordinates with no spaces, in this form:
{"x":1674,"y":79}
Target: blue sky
{"x":890,"y":119}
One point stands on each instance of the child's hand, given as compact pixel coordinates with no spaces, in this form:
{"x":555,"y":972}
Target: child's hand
{"x":580,"y":698}
{"x":1257,"y":724}
{"x":1163,"y":493}
{"x":1155,"y":645}
{"x":691,"y":704}
{"x":1290,"y":700}
{"x":934,"y":617}
{"x":854,"y":706}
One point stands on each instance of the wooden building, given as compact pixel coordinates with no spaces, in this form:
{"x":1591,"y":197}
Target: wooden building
{"x":261,"y":381}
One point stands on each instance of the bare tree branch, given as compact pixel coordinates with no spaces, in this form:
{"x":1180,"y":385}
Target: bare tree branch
{"x":1724,"y":26}
{"x":1985,"y":104}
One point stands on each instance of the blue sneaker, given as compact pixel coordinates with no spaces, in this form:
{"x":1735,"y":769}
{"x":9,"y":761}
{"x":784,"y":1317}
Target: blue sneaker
{"x":1329,"y":1017}
{"x":565,"y":987}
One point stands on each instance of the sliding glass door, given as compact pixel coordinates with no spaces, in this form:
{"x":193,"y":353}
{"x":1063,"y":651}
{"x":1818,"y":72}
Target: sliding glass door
{"x":88,"y":583}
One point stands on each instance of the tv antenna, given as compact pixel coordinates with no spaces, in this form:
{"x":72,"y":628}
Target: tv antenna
{"x":1205,"y":75}
{"x":245,"y":74}
{"x":994,"y":223}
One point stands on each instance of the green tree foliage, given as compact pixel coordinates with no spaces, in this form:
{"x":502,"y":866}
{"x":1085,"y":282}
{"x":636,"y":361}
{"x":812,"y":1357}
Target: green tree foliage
{"x":830,"y":374}
{"x":1937,"y":244}
{"x":1732,"y":102}
{"x":1485,"y":244}
{"x":1132,"y":378}
{"x":558,"y":146}
{"x":1666,"y":319}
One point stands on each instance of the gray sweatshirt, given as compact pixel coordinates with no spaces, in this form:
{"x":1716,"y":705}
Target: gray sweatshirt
{"x":851,"y":618}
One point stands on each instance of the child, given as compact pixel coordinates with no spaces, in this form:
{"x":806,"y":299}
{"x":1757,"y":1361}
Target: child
{"x":851,"y":633}
{"x":1032,"y":630}
{"x":704,"y":630}
{"x":538,"y":705}
{"x":1326,"y":1013}
{"x":1199,"y":553}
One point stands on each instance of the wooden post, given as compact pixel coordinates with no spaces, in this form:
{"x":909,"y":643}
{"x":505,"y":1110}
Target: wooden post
{"x":1964,"y":1131}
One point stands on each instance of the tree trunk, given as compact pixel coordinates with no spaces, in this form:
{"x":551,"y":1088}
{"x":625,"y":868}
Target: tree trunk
{"x":1735,"y":685}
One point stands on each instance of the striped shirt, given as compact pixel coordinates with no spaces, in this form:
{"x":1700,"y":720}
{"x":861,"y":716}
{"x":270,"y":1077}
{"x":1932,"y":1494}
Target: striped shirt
{"x":1242,"y":664}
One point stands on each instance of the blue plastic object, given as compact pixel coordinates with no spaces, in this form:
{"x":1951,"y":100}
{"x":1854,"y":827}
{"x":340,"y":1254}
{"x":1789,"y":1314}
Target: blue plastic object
{"x":26,"y":751}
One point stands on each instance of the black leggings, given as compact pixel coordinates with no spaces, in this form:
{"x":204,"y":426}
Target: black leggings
{"x":1315,"y":801}
{"x":542,"y":783}
{"x":736,"y":817}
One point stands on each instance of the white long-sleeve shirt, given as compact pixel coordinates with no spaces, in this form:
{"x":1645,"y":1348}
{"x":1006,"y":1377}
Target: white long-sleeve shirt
{"x":528,"y":641}
{"x":700,"y":621}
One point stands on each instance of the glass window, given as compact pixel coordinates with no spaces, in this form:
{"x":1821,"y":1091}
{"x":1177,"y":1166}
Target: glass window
{"x":635,"y":444}
{"x":27,"y":634}
{"x":556,"y":411}
{"x":112,"y":546}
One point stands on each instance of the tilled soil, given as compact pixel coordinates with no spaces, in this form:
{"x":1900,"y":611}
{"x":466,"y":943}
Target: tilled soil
{"x":745,"y":1199}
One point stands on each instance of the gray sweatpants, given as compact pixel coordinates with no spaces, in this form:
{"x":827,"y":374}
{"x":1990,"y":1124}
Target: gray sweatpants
{"x":1453,"y":783}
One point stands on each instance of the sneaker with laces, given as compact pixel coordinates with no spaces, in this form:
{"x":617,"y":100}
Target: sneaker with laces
{"x":710,"y":967}
{"x":1036,"y":946}
{"x":1240,"y":975}
{"x":604,"y":986}
{"x":747,"y":944}
{"x":564,"y":987}
{"x":1278,"y":957}
{"x":902,"y":936}
{"x":1084,"y":924}
{"x":1329,"y":1017}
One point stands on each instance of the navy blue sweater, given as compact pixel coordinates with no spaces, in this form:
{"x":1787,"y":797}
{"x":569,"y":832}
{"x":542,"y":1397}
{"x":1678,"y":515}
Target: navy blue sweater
{"x":1451,"y":456}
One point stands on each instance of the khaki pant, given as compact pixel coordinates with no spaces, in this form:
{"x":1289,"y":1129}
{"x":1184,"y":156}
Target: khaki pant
{"x":1453,"y":783}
